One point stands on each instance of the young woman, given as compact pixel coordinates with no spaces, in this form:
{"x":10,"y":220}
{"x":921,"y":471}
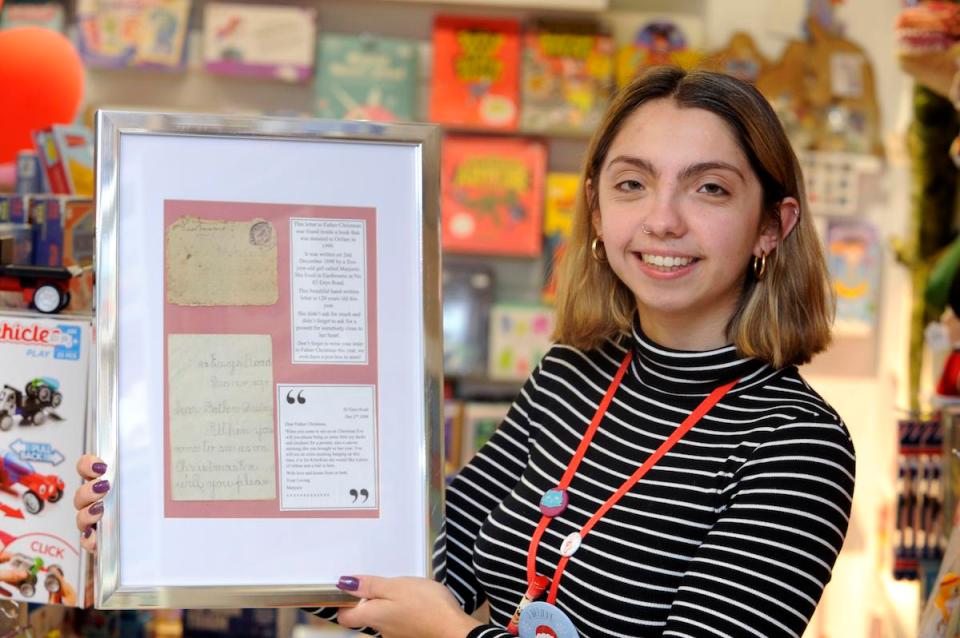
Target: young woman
{"x":665,"y":471}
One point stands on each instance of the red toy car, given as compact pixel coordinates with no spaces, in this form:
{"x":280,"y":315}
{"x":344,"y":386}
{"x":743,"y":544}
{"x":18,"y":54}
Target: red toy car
{"x":41,"y":488}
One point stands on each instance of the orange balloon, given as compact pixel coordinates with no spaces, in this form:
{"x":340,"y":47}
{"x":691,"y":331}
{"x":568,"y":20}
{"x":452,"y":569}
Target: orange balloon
{"x":41,"y":81}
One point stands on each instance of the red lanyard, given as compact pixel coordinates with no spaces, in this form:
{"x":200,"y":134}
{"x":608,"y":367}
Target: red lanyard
{"x":688,"y":423}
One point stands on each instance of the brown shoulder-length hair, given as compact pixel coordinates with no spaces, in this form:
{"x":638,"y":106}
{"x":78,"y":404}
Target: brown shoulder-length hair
{"x":784,"y":319}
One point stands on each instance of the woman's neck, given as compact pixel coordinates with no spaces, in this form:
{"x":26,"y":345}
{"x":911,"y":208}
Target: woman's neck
{"x":695,"y":334}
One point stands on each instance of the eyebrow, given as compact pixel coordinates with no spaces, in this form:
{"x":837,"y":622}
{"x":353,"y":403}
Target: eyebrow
{"x":686,"y":173}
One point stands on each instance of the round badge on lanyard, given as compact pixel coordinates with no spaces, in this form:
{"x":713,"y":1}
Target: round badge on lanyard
{"x":543,"y":620}
{"x":554,"y":502}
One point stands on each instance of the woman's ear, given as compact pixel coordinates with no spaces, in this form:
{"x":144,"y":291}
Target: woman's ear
{"x":771,"y":235}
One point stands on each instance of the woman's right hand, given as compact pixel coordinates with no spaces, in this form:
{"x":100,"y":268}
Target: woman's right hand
{"x":87,"y":499}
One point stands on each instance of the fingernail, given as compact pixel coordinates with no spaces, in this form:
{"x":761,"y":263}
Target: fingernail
{"x":100,"y":487}
{"x":87,"y":532}
{"x":348,"y":583}
{"x":96,"y":508}
{"x":99,"y":468}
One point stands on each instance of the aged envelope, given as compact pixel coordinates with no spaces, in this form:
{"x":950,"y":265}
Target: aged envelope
{"x":220,"y":408}
{"x":212,"y":262}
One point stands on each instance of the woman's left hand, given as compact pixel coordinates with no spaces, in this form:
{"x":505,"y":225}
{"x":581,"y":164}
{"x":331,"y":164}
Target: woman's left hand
{"x":404,"y":608}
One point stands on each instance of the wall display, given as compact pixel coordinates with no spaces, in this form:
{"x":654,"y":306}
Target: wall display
{"x":279,"y":340}
{"x":141,"y":33}
{"x":739,"y":57}
{"x":366,"y":77}
{"x":262,"y":41}
{"x":833,"y":179}
{"x":853,"y":254}
{"x":835,"y":108}
{"x":519,"y":337}
{"x":567,"y":77}
{"x":492,"y":195}
{"x":475,"y":80}
{"x":43,"y":415}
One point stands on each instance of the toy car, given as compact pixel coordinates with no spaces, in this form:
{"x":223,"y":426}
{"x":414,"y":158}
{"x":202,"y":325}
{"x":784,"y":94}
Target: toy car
{"x":46,"y":390}
{"x":46,"y":288}
{"x":22,"y":562}
{"x":31,"y":405}
{"x":41,"y":488}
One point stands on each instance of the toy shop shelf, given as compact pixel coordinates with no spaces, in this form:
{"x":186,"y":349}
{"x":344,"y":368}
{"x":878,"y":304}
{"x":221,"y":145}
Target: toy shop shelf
{"x":540,"y":5}
{"x":578,"y":136}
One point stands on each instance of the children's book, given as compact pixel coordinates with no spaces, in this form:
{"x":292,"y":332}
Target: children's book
{"x":476,"y":72}
{"x":492,"y":195}
{"x":75,"y":149}
{"x":19,"y":14}
{"x":567,"y":77}
{"x":260,"y":40}
{"x":520,"y":335}
{"x":51,"y":162}
{"x":366,"y":77}
{"x":162,"y":37}
{"x":141,"y":33}
{"x":468,"y":293}
{"x":561,"y":204}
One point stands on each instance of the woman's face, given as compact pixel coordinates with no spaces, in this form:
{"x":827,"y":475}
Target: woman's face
{"x":680,"y":174}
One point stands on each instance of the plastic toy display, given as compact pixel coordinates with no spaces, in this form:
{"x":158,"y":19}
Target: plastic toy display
{"x":46,"y":360}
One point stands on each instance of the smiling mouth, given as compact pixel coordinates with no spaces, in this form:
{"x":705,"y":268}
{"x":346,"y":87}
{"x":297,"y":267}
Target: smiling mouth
{"x":666,"y":264}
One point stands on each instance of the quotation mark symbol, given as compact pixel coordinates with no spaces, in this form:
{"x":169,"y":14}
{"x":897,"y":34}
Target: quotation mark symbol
{"x":299,"y":399}
{"x":355,"y":494}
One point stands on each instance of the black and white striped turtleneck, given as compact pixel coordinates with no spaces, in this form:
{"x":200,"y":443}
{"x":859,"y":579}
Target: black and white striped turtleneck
{"x":733,"y":533}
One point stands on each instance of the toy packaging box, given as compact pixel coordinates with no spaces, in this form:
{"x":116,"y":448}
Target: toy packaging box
{"x":45,"y":214}
{"x":43,"y":415}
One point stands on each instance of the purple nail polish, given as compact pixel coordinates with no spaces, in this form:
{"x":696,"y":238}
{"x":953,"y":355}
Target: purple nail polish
{"x":99,"y":468}
{"x":101,"y":487}
{"x":348,"y":583}
{"x":87,"y":532}
{"x":96,"y":508}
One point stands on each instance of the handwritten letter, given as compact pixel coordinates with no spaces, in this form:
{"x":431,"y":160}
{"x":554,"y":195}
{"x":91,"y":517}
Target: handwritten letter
{"x":221,"y":417}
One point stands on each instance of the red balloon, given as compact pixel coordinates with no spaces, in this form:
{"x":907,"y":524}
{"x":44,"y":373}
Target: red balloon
{"x":41,"y":83}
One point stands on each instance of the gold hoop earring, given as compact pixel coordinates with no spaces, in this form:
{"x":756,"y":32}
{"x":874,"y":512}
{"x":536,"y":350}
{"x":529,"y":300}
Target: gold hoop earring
{"x":597,"y":250}
{"x":760,"y":266}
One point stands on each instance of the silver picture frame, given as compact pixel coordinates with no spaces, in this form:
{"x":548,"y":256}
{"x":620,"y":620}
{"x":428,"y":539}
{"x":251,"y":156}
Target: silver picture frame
{"x":145,"y":160}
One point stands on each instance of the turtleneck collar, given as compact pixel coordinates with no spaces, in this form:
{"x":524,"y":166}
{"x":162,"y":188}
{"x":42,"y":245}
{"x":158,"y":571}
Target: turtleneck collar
{"x":690,"y":373}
